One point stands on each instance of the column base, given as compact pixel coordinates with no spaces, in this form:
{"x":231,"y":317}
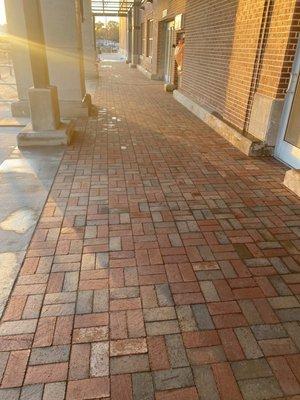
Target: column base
{"x":45,"y":115}
{"x":148,"y":74}
{"x":76,"y":109}
{"x":132,"y":65}
{"x":68,"y":109}
{"x":265,"y":118}
{"x":20,"y":109}
{"x":292,"y":180}
{"x":61,"y":136}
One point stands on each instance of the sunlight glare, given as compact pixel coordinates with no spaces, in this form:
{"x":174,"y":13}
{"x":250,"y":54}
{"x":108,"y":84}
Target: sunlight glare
{"x":2,"y":13}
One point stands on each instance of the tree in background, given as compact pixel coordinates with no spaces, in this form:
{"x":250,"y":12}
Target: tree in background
{"x":109,"y":31}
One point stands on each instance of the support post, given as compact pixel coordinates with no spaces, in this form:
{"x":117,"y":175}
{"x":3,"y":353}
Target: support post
{"x":88,"y":41}
{"x":129,"y":37}
{"x":62,"y":22}
{"x":64,"y":50}
{"x":135,"y":36}
{"x":20,"y":56}
{"x":45,"y":127}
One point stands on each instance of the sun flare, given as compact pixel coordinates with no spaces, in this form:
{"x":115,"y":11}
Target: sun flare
{"x":2,"y":13}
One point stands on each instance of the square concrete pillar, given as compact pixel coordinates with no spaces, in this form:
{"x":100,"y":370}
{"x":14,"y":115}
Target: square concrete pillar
{"x":20,"y":55}
{"x":88,"y":41}
{"x":45,"y":128}
{"x":135,"y":36}
{"x":63,"y":39}
{"x":62,"y":30}
{"x":129,"y":37}
{"x":44,"y":108}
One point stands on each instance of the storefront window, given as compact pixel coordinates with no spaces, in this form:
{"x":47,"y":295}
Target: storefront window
{"x":143,"y":39}
{"x":149,"y":37}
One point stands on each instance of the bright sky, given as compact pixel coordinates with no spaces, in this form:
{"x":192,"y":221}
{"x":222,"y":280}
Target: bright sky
{"x":106,"y":19}
{"x":2,"y":13}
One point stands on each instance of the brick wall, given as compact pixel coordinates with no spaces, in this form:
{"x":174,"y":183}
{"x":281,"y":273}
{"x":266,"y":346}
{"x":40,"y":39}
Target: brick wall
{"x":279,"y":48}
{"x":234,"y":48}
{"x":223,"y":62}
{"x":155,"y":11}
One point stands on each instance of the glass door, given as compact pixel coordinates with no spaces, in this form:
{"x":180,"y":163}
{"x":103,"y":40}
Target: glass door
{"x":288,"y":144}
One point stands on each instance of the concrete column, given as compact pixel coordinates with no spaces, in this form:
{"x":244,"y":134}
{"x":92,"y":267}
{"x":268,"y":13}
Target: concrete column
{"x":62,"y":32}
{"x":45,"y":127}
{"x":129,"y":37}
{"x":88,"y":41}
{"x":36,"y":44}
{"x":20,"y":55}
{"x":135,"y":36}
{"x":63,"y":38}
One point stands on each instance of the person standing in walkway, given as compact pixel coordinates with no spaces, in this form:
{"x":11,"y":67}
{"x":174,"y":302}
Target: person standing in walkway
{"x":179,"y":54}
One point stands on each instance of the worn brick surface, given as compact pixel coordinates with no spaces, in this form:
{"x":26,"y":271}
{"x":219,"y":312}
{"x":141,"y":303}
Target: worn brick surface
{"x":54,"y":391}
{"x":88,"y":389}
{"x":143,"y":386}
{"x":166,"y":280}
{"x":208,"y":81}
{"x":121,"y":387}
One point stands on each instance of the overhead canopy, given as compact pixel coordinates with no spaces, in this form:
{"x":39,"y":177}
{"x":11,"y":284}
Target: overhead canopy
{"x":113,"y":7}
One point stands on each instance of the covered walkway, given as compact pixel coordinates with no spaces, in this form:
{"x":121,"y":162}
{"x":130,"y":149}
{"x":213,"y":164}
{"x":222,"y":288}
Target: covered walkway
{"x":165,"y":264}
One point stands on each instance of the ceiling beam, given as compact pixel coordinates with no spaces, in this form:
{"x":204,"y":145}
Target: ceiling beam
{"x":112,"y":7}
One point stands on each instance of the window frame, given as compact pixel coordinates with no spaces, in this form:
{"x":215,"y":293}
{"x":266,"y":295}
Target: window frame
{"x":144,"y":38}
{"x":149,"y":49}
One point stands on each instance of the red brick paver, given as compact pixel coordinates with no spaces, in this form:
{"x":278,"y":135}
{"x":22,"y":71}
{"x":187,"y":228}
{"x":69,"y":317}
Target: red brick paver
{"x":165,"y":265}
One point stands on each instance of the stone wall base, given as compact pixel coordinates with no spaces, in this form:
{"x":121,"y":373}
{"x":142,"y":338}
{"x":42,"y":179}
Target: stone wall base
{"x":265,"y":118}
{"x":68,"y":109}
{"x":148,"y":74}
{"x":246,"y":144}
{"x":292,"y":180}
{"x":59,"y":137}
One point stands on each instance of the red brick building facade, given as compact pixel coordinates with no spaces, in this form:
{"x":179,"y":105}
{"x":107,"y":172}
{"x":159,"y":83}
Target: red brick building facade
{"x":237,"y":63}
{"x":238,"y":51}
{"x":160,"y":12}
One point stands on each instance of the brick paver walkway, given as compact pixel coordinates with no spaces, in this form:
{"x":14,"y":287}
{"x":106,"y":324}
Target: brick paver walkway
{"x":165,"y":265}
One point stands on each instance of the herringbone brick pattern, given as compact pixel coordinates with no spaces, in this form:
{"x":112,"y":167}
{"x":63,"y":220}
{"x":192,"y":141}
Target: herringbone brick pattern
{"x":165,"y":265}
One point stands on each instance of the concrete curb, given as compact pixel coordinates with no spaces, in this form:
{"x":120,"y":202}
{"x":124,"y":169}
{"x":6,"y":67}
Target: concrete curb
{"x":246,"y":144}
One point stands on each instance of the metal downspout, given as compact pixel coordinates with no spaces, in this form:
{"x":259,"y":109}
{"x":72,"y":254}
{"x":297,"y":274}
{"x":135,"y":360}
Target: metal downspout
{"x":258,"y":62}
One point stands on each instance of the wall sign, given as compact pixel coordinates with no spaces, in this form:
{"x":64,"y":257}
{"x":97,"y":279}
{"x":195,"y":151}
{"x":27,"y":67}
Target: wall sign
{"x":179,"y":22}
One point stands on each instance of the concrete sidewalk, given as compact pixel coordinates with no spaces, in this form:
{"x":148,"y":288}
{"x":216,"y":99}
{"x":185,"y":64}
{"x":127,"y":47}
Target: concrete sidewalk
{"x":165,"y":264}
